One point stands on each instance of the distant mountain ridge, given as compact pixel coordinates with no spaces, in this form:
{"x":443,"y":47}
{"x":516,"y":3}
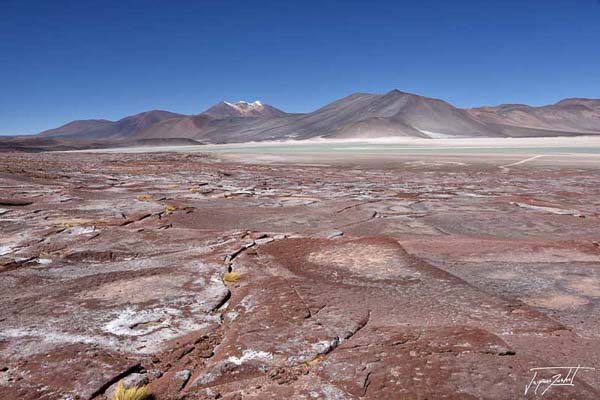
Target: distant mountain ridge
{"x":569,"y":115}
{"x":360,"y":115}
{"x":104,"y":129}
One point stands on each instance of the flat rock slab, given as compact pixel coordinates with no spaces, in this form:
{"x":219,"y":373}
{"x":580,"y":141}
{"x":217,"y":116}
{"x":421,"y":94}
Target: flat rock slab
{"x":361,"y":316}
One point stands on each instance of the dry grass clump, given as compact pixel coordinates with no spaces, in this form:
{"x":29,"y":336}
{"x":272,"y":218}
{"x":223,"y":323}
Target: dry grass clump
{"x":133,"y":393}
{"x":144,"y":197}
{"x":231,"y":276}
{"x":315,"y":361}
{"x":80,"y":222}
{"x":76,"y":222}
{"x":169,"y":208}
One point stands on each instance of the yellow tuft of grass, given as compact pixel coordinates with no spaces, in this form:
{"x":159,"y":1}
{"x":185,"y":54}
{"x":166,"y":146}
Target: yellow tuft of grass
{"x":169,"y":208}
{"x":76,"y":222}
{"x":314,"y":362}
{"x":133,"y":393}
{"x":227,"y":195}
{"x":231,"y":276}
{"x":194,"y":190}
{"x":144,"y":197}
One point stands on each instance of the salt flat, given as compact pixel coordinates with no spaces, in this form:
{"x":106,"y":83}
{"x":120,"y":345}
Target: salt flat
{"x":550,"y":145}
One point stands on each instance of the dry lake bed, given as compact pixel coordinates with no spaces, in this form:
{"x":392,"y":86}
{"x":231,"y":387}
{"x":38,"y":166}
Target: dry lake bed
{"x":302,"y":274}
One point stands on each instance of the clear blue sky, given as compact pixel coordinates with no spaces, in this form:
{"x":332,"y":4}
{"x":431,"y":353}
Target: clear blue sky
{"x":80,"y":59}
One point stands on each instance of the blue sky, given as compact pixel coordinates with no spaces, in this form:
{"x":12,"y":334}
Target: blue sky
{"x":66,"y":60}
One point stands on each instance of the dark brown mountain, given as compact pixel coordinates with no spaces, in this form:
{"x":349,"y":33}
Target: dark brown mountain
{"x":75,"y":127}
{"x":104,"y":129}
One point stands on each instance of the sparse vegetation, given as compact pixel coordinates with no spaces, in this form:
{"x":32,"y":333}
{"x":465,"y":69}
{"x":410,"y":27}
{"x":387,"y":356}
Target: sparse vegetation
{"x":231,"y":276}
{"x":144,"y":197}
{"x":74,"y":223}
{"x":133,"y":393}
{"x":314,"y":362}
{"x":169,"y":208}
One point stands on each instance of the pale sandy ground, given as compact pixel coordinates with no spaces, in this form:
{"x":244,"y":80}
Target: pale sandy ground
{"x":504,"y":162}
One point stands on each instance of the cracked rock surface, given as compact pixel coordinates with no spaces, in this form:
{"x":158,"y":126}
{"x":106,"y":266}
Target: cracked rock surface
{"x":210,"y":278}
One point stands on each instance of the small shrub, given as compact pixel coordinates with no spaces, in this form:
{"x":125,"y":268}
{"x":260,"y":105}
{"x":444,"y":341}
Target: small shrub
{"x":144,"y":197}
{"x":133,"y":393}
{"x":231,"y":276}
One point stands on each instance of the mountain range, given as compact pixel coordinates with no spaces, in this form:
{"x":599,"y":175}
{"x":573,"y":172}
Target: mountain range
{"x":360,"y":115}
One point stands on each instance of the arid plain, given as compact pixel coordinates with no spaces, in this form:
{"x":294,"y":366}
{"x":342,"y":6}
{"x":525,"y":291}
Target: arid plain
{"x":244,"y":276}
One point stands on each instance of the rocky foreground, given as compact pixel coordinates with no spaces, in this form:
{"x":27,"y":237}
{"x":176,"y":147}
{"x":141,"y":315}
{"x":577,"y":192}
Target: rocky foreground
{"x":206,"y":278}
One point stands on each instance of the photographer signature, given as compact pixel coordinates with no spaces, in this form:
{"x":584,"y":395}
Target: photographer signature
{"x":545,"y":378}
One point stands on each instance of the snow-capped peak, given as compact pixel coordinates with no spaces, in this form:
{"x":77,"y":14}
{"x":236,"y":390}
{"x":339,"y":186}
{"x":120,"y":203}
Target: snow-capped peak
{"x":243,"y":103}
{"x":243,"y":109}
